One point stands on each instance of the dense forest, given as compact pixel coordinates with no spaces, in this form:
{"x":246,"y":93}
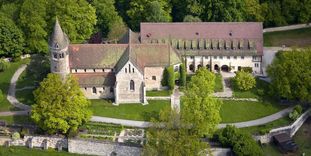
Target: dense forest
{"x":26,"y":24}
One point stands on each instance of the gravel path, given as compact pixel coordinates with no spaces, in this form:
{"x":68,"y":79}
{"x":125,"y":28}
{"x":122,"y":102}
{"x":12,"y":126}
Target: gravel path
{"x":11,"y":93}
{"x":14,"y":113}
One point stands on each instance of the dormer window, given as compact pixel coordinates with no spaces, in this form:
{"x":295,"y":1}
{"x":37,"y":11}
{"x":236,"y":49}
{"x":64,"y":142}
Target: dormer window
{"x":56,"y":45}
{"x":55,"y":55}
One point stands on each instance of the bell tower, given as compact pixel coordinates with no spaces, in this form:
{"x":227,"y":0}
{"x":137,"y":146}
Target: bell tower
{"x":59,"y":54}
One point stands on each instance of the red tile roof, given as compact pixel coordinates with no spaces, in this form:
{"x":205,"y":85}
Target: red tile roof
{"x":204,"y":30}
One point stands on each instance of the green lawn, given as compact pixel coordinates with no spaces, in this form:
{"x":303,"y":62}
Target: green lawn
{"x":25,"y":96}
{"x":238,"y":111}
{"x":5,"y":78}
{"x":16,"y":119}
{"x":252,"y":93}
{"x":159,"y":93}
{"x":263,"y":129}
{"x":296,"y":38}
{"x":24,"y":151}
{"x":129,"y":111}
{"x":218,"y":83}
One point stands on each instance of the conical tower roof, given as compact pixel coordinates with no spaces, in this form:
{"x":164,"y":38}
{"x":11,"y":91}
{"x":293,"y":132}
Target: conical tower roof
{"x":59,"y":39}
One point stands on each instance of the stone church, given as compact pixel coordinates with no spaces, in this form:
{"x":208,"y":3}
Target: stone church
{"x":126,"y":70}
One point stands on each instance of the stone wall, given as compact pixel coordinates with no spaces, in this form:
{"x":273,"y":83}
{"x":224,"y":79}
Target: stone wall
{"x":123,"y":78}
{"x":103,"y":92}
{"x":102,"y":148}
{"x":153,"y":77}
{"x":290,"y":27}
{"x":291,"y":129}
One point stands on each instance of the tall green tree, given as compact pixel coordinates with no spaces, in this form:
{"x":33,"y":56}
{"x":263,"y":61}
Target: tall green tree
{"x":244,"y":80}
{"x":77,"y":18}
{"x":170,"y":136}
{"x":60,"y":107}
{"x":183,"y":75}
{"x":156,"y":13}
{"x":138,"y":11}
{"x":32,"y":20}
{"x":290,"y":73}
{"x":190,"y":18}
{"x":11,"y":38}
{"x":109,"y":23}
{"x":200,"y":108}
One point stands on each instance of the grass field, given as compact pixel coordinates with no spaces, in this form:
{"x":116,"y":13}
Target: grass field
{"x":262,"y":129}
{"x":159,"y":93}
{"x":252,"y":93}
{"x":25,"y":96}
{"x":24,"y":151}
{"x":291,"y":38}
{"x":218,"y":83}
{"x":238,"y":111}
{"x":128,"y":111}
{"x":5,"y":78}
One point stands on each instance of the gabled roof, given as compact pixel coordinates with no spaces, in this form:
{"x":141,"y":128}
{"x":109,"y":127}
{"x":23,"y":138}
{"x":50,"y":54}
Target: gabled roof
{"x":219,"y":31}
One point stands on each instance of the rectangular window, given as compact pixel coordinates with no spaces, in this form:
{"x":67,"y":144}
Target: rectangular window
{"x":242,"y":57}
{"x":125,"y":70}
{"x":76,"y":70}
{"x":235,"y":57}
{"x":133,"y":70}
{"x":111,"y":89}
{"x":206,"y":57}
{"x":220,"y":57}
{"x":228,"y":57}
{"x":215,"y":57}
{"x":256,"y":65}
{"x":191,"y":57}
{"x":94,"y":70}
{"x":154,"y":78}
{"x":129,"y":68}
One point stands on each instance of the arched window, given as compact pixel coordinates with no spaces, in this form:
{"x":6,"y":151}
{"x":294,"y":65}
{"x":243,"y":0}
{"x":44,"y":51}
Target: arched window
{"x":94,"y":90}
{"x":132,"y":85}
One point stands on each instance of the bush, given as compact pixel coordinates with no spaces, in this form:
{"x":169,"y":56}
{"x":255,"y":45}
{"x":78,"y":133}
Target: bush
{"x":24,"y":131}
{"x":183,"y":75}
{"x":4,"y":65}
{"x":164,"y":77}
{"x":171,"y":77}
{"x":241,"y":143}
{"x":247,"y":69}
{"x":16,"y":136}
{"x":294,"y":115}
{"x":260,"y":92}
{"x":244,"y":81}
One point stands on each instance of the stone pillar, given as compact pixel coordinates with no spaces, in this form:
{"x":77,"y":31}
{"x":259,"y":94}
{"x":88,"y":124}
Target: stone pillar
{"x":45,"y":144}
{"x":116,"y":94}
{"x":145,"y":102}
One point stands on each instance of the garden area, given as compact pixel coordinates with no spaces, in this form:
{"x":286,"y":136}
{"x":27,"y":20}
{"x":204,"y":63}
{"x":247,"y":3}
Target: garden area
{"x":291,"y":38}
{"x":239,"y":111}
{"x":261,"y":89}
{"x":218,"y":83}
{"x":129,"y":111}
{"x":5,"y":78}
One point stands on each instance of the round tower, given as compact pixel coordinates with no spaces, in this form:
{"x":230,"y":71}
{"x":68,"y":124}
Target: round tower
{"x":58,"y":47}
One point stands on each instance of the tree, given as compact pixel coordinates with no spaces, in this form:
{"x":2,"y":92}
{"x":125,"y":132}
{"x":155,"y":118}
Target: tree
{"x":169,"y":136}
{"x":244,"y":80}
{"x":241,"y":143}
{"x":190,"y":18}
{"x":11,"y":10}
{"x":183,"y":75}
{"x":1,"y":95}
{"x":60,"y":107}
{"x":11,"y":38}
{"x":138,"y":11}
{"x":291,"y":75}
{"x":171,"y":77}
{"x":33,"y":23}
{"x":77,"y":18}
{"x":156,"y":13}
{"x":200,"y":108}
{"x":3,"y":65}
{"x":109,"y":23}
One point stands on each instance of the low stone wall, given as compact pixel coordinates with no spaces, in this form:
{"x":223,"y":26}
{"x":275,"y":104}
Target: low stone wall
{"x":44,"y":142}
{"x":290,"y":27}
{"x":291,"y":129}
{"x":101,"y":148}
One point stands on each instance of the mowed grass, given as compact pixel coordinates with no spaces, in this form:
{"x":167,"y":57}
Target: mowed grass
{"x":263,"y":129}
{"x":20,"y":119}
{"x":24,"y":151}
{"x":218,"y":83}
{"x":5,"y":78}
{"x":291,"y":38}
{"x":252,"y":93}
{"x":238,"y":111}
{"x":25,"y":96}
{"x":159,"y":93}
{"x":129,"y":111}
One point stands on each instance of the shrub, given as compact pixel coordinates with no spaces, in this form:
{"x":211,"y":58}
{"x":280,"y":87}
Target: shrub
{"x":16,"y":136}
{"x":244,"y":81}
{"x":298,"y":108}
{"x":24,"y":131}
{"x":247,"y":69}
{"x":171,"y":77}
{"x":4,"y":65}
{"x":164,"y":77}
{"x":260,"y":92}
{"x":294,"y":115}
{"x":241,"y":143}
{"x":183,"y":75}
